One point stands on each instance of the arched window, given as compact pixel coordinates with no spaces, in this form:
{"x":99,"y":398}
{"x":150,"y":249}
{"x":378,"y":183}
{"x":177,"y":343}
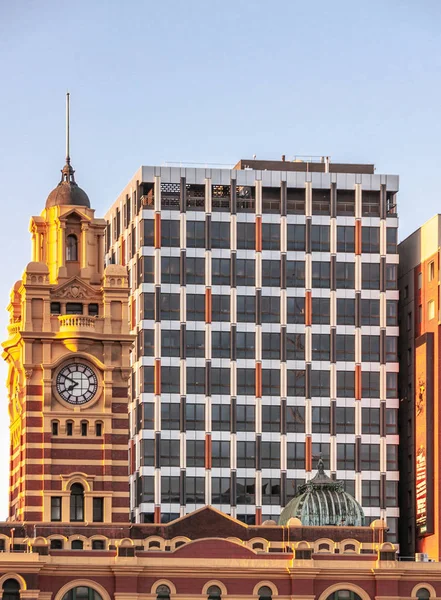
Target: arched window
{"x":56,"y":544}
{"x":77,"y":502}
{"x":77,"y":545}
{"x":71,"y":247}
{"x":82,"y":593}
{"x":344,"y":595}
{"x":265,"y":593}
{"x":11,"y":590}
{"x":423,"y":594}
{"x":98,"y":545}
{"x":214,"y":592}
{"x":163,"y":592}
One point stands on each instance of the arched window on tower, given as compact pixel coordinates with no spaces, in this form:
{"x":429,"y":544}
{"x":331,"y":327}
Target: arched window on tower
{"x":423,"y":594}
{"x":163,"y":592}
{"x":265,"y":593}
{"x":11,"y":590}
{"x":77,"y":502}
{"x":214,"y":592}
{"x":71,"y":247}
{"x":82,"y":593}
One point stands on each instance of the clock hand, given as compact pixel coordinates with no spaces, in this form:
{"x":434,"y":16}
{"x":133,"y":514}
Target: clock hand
{"x":71,"y":387}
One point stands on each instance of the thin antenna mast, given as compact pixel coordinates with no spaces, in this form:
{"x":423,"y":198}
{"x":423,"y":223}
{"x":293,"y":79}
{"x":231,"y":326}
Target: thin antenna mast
{"x":67,"y":127}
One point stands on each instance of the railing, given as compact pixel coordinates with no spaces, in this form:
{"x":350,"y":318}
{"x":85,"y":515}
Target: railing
{"x":79,"y":322}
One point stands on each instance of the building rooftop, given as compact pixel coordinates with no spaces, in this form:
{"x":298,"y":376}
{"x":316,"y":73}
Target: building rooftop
{"x":311,"y":164}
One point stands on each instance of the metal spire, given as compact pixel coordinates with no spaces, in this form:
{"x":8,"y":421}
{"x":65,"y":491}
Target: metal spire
{"x":67,"y":127}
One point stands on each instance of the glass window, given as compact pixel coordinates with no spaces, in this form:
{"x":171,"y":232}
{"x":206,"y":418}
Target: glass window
{"x":170,"y":235}
{"x":220,"y":345}
{"x":220,"y":451}
{"x":295,"y":455}
{"x":220,"y":417}
{"x":296,"y":382}
{"x":431,"y":272}
{"x":246,"y":382}
{"x":270,"y":236}
{"x":71,"y":248}
{"x":391,"y":348}
{"x":271,"y":346}
{"x":370,"y":312}
{"x":320,"y":384}
{"x":195,"y":307}
{"x":321,"y":419}
{"x":246,"y":454}
{"x":321,"y":274}
{"x":246,"y":236}
{"x":345,"y":348}
{"x":195,"y":270}
{"x":220,"y":271}
{"x":245,"y":272}
{"x":344,"y":419}
{"x":392,"y":312}
{"x":370,"y":384}
{"x":148,"y":452}
{"x":270,"y":273}
{"x":391,"y":385}
{"x":392,"y":457}
{"x":245,"y":344}
{"x":391,"y":277}
{"x":98,"y":510}
{"x":195,"y":380}
{"x":320,"y":238}
{"x":246,"y":490}
{"x":296,"y":238}
{"x":270,"y":455}
{"x":321,"y":449}
{"x":77,"y":502}
{"x":345,"y":203}
{"x":170,"y":489}
{"x":194,"y":343}
{"x":320,"y":311}
{"x":370,"y":348}
{"x":270,"y":491}
{"x":170,"y":416}
{"x":296,"y":310}
{"x":170,"y":307}
{"x":345,"y":238}
{"x":370,"y":239}
{"x":195,"y":453}
{"x":195,"y":234}
{"x":271,"y":418}
{"x":321,"y":344}
{"x":74,"y":308}
{"x":148,"y":306}
{"x":169,"y":452}
{"x":295,"y":419}
{"x":245,"y":419}
{"x":170,"y":342}
{"x":220,"y":308}
{"x":220,"y":490}
{"x":169,"y":269}
{"x":220,"y":234}
{"x":345,"y":311}
{"x":346,"y":456}
{"x":270,"y":382}
{"x":391,"y":421}
{"x":295,"y":273}
{"x":195,"y":416}
{"x":220,"y":381}
{"x":345,"y":275}
{"x":295,"y":346}
{"x":370,"y":276}
{"x":270,"y":309}
{"x":370,"y":493}
{"x":146,"y":342}
{"x":56,"y":508}
{"x":391,"y":240}
{"x":346,"y":384}
{"x":391,"y":493}
{"x":246,"y":309}
{"x":169,"y":380}
{"x":321,"y":202}
{"x":370,"y":204}
{"x":370,"y":419}
{"x":370,"y":457}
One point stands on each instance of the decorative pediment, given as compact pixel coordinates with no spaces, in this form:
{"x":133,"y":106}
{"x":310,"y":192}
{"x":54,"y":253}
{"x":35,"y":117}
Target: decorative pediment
{"x":75,"y":289}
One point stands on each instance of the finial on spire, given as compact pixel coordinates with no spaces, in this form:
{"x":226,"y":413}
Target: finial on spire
{"x":67,"y":127}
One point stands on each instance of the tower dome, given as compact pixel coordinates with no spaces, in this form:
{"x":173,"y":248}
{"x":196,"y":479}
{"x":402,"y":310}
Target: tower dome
{"x":323,"y":501}
{"x":67,"y":192}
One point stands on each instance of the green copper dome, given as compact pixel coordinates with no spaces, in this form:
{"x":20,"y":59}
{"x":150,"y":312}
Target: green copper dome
{"x":323,"y":501}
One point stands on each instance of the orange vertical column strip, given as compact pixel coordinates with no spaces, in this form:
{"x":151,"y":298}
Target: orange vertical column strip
{"x":157,"y":380}
{"x":157,"y":230}
{"x":258,"y":516}
{"x":258,"y":380}
{"x":357,"y":237}
{"x":308,"y":308}
{"x":358,"y":382}
{"x":208,"y":451}
{"x":157,"y":517}
{"x":258,"y":234}
{"x":208,"y":305}
{"x":308,"y":453}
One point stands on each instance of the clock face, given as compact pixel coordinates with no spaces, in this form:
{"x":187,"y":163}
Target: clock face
{"x":77,"y":383}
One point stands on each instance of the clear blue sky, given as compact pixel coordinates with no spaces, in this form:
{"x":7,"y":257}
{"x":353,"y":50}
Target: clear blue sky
{"x":210,"y":82}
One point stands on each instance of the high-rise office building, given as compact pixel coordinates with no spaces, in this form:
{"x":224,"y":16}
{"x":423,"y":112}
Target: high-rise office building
{"x":420,"y":419}
{"x":264,"y":300}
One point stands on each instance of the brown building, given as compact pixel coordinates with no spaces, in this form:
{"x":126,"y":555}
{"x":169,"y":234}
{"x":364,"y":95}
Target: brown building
{"x":68,"y":358}
{"x":420,"y":417}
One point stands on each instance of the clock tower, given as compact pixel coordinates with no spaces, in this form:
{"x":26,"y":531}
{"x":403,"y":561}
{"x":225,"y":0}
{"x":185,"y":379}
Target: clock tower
{"x":68,"y":369}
